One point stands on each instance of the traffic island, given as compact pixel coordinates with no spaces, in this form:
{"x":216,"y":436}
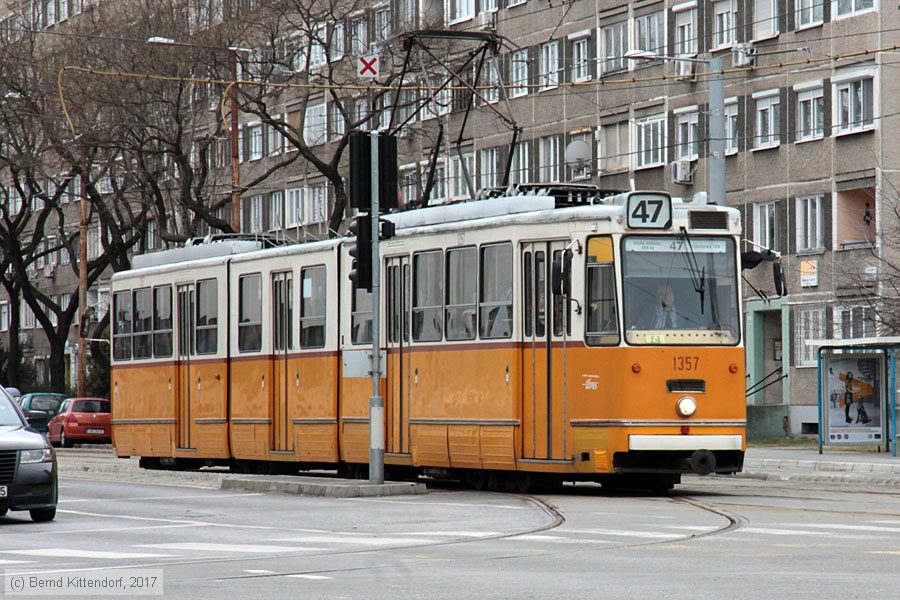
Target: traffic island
{"x":313,"y":486}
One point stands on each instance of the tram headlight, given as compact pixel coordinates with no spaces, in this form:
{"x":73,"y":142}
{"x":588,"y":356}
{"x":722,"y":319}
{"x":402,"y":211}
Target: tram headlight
{"x":686,"y":406}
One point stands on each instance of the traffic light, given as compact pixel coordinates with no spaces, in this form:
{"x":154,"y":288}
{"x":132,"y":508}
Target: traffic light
{"x":361,"y":252}
{"x":361,"y":171}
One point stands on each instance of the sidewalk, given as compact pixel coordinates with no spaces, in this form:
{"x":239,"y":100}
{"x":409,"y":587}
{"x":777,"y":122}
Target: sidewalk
{"x":834,"y":465}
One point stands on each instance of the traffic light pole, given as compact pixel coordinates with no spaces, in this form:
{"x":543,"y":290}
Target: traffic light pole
{"x":376,"y":401}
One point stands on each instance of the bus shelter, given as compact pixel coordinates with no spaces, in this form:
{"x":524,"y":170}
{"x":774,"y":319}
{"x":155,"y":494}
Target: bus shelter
{"x":858,"y":392}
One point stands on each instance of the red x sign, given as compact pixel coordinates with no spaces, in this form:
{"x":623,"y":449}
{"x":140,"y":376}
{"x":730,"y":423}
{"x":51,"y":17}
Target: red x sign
{"x":368,"y":66}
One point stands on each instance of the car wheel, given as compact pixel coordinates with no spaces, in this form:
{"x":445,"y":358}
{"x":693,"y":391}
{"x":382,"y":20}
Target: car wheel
{"x":63,"y":440}
{"x":43,"y":515}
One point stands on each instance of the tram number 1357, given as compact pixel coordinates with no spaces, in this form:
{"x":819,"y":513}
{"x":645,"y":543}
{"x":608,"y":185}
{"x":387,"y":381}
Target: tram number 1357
{"x":685,"y":363}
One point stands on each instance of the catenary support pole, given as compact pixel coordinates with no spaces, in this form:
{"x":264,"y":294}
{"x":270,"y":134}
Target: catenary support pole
{"x":716,"y":131}
{"x":376,"y":401}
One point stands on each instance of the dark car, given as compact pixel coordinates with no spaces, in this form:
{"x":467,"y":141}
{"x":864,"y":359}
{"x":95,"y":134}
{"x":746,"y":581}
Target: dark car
{"x":81,"y":420}
{"x":27,"y":464}
{"x":41,"y":401}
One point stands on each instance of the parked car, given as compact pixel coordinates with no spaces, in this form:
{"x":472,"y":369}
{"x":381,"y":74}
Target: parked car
{"x":41,"y":401}
{"x":28,"y":477}
{"x":81,"y":420}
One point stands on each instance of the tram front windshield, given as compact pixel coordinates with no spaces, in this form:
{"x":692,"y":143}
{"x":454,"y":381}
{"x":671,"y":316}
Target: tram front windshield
{"x":680,"y":290}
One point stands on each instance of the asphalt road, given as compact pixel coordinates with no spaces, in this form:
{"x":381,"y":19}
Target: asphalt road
{"x":711,"y":538}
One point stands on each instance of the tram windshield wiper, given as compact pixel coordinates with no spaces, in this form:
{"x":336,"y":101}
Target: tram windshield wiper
{"x":698,"y":273}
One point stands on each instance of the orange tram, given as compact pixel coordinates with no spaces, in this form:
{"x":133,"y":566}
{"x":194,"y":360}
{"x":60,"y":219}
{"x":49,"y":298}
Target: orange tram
{"x":558,"y":334}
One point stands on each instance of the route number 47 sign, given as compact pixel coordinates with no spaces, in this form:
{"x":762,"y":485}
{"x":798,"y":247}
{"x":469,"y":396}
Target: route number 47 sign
{"x":649,"y":211}
{"x":368,"y":66}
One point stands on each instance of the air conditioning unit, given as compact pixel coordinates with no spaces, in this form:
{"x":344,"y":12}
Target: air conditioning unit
{"x":487,"y":20}
{"x":682,"y":171}
{"x":743,"y":55}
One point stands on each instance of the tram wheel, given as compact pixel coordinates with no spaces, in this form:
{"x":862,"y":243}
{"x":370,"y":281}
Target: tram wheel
{"x":522,"y":482}
{"x":493,"y":482}
{"x":477,"y":479}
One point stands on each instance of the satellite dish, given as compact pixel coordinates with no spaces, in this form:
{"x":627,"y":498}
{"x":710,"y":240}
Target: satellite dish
{"x":578,"y":154}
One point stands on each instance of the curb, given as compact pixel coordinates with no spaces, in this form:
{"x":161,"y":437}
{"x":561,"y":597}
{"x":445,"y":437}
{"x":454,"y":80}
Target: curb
{"x":329,"y":490}
{"x":822,"y":477}
{"x":826,"y":466}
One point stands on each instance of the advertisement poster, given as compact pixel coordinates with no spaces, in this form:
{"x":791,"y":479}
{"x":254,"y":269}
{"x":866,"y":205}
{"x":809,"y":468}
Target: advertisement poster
{"x":853,"y":400}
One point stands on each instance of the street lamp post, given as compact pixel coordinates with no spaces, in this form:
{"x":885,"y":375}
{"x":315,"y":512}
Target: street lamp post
{"x":716,"y":117}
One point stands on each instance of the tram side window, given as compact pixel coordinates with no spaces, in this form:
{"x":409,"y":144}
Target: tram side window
{"x":142,"y":330}
{"x":162,"y":321}
{"x":602,"y":323}
{"x":206,"y":329}
{"x":562,"y":310}
{"x":312,"y":307}
{"x":250,"y":313}
{"x":122,"y":325}
{"x":462,"y":293}
{"x":428,"y":294}
{"x":495,"y":317}
{"x":361,"y":316}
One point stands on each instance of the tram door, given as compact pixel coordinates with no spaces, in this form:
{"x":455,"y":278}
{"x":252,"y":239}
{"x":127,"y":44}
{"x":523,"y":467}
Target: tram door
{"x":542,"y":365}
{"x":283,"y":342}
{"x":398,"y":359}
{"x":186,"y":311}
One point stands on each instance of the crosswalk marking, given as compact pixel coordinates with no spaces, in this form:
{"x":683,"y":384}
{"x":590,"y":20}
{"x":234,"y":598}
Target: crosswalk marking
{"x":625,"y":533}
{"x":367,"y":541}
{"x":247,"y":548}
{"x":258,"y":571}
{"x":75,"y":553}
{"x":15,"y":562}
{"x":308,"y":576}
{"x":843,"y":526}
{"x":772,"y":531}
{"x":557,"y":539}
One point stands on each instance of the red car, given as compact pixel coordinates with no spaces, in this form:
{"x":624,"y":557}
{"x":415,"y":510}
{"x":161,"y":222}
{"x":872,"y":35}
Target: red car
{"x":81,"y":420}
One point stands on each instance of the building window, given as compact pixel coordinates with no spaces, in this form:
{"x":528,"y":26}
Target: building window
{"x":648,"y":32}
{"x":854,"y":105}
{"x":615,"y":45}
{"x":854,"y":322}
{"x":489,"y":160}
{"x":521,"y":172}
{"x":337,"y":46}
{"x":765,"y":18}
{"x":4,"y":316}
{"x":765,"y":224}
{"x":276,"y":210}
{"x":548,"y":159}
{"x":490,"y":90}
{"x":294,"y":208}
{"x":317,"y":53}
{"x":459,"y":187}
{"x":809,"y":223}
{"x":256,"y":141}
{"x":809,"y":324}
{"x":731,"y":126}
{"x":359,"y":37}
{"x":581,"y":60}
{"x":409,"y":185}
{"x":336,"y":125}
{"x":256,"y":224}
{"x":685,"y":39}
{"x":809,"y":12}
{"x":725,"y":23}
{"x":315,"y":125}
{"x":849,"y":7}
{"x":810,"y":114}
{"x":768,"y":120}
{"x":462,"y":10}
{"x":519,"y":68}
{"x":687,"y":134}
{"x":316,"y":210}
{"x":614,"y":147}
{"x":382,"y":24}
{"x":650,"y":142}
{"x":549,"y":67}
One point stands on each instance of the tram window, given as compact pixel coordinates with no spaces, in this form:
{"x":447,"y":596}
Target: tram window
{"x":540,"y":299}
{"x":561,"y":312}
{"x":312,"y":307}
{"x":250,"y":313}
{"x":462,"y":293}
{"x":206,"y":329}
{"x":527,"y":272}
{"x":361,"y":316}
{"x":496,"y":291}
{"x":142,"y":330}
{"x":162,"y":321}
{"x":283,"y":310}
{"x":122,"y":325}
{"x":602,"y":322}
{"x":428,"y":293}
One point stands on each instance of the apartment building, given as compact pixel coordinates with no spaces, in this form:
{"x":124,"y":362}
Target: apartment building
{"x":806,"y":158}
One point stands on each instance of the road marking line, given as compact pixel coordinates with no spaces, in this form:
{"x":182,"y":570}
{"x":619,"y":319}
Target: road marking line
{"x":247,"y":548}
{"x":890,"y":552}
{"x":468,"y":534}
{"x":849,"y":527}
{"x":558,"y":539}
{"x":463,"y":504}
{"x":138,"y":499}
{"x":73,"y":553}
{"x":625,"y":533}
{"x":691,"y":527}
{"x":161,"y":520}
{"x":16,"y":562}
{"x":777,"y":531}
{"x":114,"y":529}
{"x":309,"y":576}
{"x":259,"y":572}
{"x":369,"y":541}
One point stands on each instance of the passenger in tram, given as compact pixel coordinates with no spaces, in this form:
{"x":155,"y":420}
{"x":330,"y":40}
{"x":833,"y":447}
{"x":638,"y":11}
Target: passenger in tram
{"x":666,"y":313}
